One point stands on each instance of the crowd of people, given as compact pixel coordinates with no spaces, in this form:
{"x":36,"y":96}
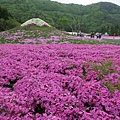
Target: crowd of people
{"x":98,"y":35}
{"x":92,"y":35}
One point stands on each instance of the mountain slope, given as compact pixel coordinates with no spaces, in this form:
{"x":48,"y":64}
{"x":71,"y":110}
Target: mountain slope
{"x":91,"y":17}
{"x":6,"y":20}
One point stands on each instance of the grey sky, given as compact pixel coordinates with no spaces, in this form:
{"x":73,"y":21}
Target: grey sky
{"x":86,"y":2}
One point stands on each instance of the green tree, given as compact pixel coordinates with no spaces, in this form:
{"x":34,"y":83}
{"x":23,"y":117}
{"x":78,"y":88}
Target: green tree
{"x":6,"y":20}
{"x":63,"y":22}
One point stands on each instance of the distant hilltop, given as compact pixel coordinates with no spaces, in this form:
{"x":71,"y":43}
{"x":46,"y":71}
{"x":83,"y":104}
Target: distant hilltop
{"x":102,"y":16}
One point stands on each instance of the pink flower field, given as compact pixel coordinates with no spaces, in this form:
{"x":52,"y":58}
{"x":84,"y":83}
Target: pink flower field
{"x":59,"y":82}
{"x":41,"y":37}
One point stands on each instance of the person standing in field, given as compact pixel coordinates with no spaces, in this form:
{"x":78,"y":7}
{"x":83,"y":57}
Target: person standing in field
{"x":97,"y":35}
{"x":92,"y":35}
{"x":114,"y":35}
{"x":100,"y":34}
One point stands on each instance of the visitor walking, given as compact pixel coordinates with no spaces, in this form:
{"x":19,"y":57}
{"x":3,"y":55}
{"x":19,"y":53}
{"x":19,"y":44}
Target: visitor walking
{"x":92,"y":35}
{"x":114,"y":35}
{"x":97,"y":35}
{"x":100,"y":34}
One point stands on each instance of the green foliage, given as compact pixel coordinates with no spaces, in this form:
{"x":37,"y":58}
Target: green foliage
{"x":87,"y":42}
{"x":71,"y":67}
{"x":74,"y":41}
{"x":118,"y":86}
{"x":46,"y":29}
{"x":6,"y":20}
{"x":63,"y":22}
{"x":95,"y":17}
{"x":4,"y":13}
{"x":84,"y":71}
{"x":104,"y":68}
{"x":3,"y":41}
{"x":110,"y":86}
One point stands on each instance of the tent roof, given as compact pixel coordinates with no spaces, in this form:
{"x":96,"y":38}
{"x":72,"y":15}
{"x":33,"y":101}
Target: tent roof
{"x":36,"y":21}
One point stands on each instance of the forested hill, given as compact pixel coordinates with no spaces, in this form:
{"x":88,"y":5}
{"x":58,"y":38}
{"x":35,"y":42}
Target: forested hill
{"x":6,"y":20}
{"x":101,"y":16}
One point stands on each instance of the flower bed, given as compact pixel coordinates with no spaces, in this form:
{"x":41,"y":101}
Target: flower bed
{"x":42,"y":37}
{"x":59,"y":82}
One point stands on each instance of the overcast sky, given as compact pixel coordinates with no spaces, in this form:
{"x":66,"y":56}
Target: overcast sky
{"x":87,"y":2}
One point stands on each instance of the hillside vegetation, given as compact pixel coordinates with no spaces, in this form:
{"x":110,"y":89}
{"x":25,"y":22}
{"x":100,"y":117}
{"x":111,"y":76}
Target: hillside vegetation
{"x":102,"y":17}
{"x":6,"y":20}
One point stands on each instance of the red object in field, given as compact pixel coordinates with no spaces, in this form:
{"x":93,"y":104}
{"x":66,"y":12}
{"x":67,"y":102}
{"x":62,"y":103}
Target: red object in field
{"x":114,"y":34}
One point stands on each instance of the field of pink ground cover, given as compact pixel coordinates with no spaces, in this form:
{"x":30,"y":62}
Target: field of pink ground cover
{"x":40,"y":37}
{"x":59,"y":82}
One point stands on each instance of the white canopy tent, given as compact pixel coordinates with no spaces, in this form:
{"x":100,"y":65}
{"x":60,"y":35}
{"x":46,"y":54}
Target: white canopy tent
{"x":36,"y":21}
